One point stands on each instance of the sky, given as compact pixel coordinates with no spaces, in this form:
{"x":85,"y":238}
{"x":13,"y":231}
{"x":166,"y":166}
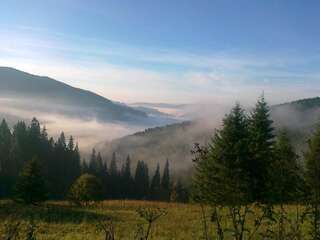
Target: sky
{"x":169,"y":51}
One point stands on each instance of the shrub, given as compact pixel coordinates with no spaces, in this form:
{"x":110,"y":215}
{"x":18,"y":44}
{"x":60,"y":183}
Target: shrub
{"x":87,"y":188}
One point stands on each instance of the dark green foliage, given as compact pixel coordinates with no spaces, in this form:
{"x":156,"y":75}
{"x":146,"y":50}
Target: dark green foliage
{"x":141,"y":181}
{"x":261,"y":149}
{"x":31,"y":188}
{"x":182,"y":192}
{"x":114,"y":191}
{"x":127,"y":183}
{"x":87,"y":188}
{"x":221,"y":170}
{"x":285,"y":174}
{"x":59,"y":161}
{"x":312,"y":157}
{"x":155,"y":187}
{"x":165,"y":183}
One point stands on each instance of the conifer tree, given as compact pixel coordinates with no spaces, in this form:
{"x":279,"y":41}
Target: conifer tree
{"x":221,"y":176}
{"x":31,"y":188}
{"x":165,"y":183}
{"x":141,"y":180}
{"x":113,"y":177}
{"x":261,"y":148}
{"x":8,"y":168}
{"x":93,"y":165}
{"x":285,"y":173}
{"x":312,"y":158}
{"x":127,"y":181}
{"x":155,"y":187}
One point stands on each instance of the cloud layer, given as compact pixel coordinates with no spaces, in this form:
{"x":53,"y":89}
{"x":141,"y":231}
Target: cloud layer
{"x":132,"y":74}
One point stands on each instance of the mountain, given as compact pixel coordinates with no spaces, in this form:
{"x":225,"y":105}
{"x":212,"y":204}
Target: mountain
{"x":175,"y":141}
{"x":26,"y":92}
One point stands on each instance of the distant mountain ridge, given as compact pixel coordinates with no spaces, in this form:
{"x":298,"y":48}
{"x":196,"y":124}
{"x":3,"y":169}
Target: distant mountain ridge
{"x":28,"y":91}
{"x":175,"y":141}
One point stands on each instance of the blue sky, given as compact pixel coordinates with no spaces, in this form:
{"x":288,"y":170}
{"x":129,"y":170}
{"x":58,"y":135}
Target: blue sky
{"x":168,"y":51}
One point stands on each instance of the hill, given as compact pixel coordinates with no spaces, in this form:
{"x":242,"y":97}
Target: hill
{"x":175,"y":141}
{"x":23,"y":91}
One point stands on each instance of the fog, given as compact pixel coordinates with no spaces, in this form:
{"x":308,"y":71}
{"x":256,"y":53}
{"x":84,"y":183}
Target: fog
{"x":87,"y":132}
{"x":157,"y":145}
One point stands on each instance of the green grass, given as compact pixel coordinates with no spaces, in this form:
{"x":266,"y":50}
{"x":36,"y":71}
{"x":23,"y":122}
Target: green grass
{"x":59,"y":220}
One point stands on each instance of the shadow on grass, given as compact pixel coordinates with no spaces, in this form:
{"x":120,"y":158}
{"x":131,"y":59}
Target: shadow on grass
{"x":51,"y":213}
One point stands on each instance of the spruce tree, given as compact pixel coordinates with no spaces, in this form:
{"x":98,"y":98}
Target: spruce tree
{"x":141,"y":181}
{"x":312,"y":158}
{"x":285,"y":173}
{"x":165,"y":183}
{"x":30,"y":187}
{"x":261,"y":149}
{"x":8,"y":168}
{"x":155,"y":187}
{"x":221,"y":177}
{"x":113,"y":177}
{"x":285,"y":180}
{"x":127,"y":181}
{"x":93,"y":165}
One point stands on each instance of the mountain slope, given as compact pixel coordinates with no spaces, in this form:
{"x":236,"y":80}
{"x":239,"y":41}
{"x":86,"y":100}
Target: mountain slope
{"x":175,"y":141}
{"x":30,"y":92}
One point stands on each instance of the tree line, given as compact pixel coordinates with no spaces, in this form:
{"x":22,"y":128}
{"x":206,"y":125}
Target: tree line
{"x":26,"y":149}
{"x":248,"y":165}
{"x":119,"y":182}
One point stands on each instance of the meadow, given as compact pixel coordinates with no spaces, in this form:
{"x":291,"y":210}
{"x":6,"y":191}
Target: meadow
{"x":60,"y":220}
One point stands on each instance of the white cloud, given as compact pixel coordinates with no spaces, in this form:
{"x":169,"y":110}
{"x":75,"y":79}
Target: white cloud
{"x":125,"y":73}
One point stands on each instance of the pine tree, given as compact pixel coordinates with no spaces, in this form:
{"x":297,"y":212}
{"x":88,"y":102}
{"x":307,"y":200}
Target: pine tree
{"x":312,"y":158}
{"x":127,"y":181}
{"x":155,"y":187}
{"x":285,"y":173}
{"x":165,"y":183}
{"x":93,"y":165}
{"x":221,"y":176}
{"x":261,"y":149}
{"x":141,"y":180}
{"x":8,"y":168}
{"x":285,"y":180}
{"x":31,"y":188}
{"x":181,"y":192}
{"x":113,"y":177}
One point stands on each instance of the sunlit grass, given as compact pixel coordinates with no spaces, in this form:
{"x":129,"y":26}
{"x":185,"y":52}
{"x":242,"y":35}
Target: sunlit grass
{"x":59,"y":220}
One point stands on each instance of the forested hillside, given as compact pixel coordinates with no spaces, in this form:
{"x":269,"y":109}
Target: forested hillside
{"x":175,"y":141}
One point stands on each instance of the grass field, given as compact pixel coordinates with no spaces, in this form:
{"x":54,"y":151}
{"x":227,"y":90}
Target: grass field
{"x":59,"y":220}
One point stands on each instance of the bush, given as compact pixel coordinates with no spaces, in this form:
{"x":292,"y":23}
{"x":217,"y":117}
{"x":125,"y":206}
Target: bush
{"x":87,"y":188}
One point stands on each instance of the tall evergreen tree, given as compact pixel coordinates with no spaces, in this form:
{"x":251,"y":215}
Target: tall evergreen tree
{"x":113,"y":177}
{"x":261,"y":148}
{"x":127,"y":181}
{"x":31,"y":188}
{"x":312,"y":158}
{"x":8,"y":168}
{"x":141,"y":180}
{"x":155,"y":187}
{"x":285,"y":173}
{"x":165,"y":183}
{"x":93,"y":164}
{"x":221,"y":176}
